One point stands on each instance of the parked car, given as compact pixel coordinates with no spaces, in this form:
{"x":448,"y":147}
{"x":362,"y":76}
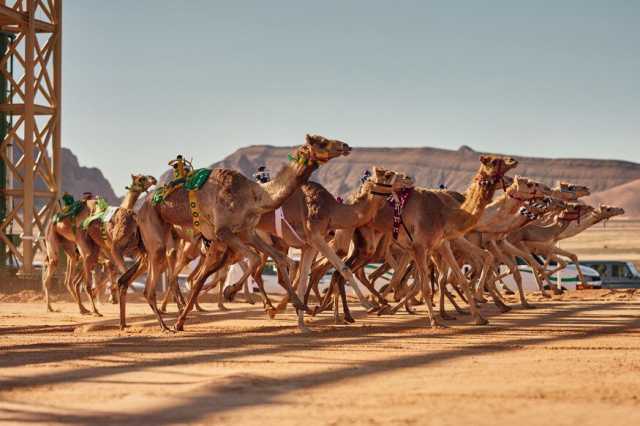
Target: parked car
{"x":615,"y":274}
{"x":569,"y":278}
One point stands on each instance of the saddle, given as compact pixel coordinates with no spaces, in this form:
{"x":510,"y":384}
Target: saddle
{"x":102,"y":212}
{"x":192,"y":182}
{"x":69,"y":208}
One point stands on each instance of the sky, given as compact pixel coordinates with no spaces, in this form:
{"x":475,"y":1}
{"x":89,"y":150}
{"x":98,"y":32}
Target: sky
{"x":145,"y":80}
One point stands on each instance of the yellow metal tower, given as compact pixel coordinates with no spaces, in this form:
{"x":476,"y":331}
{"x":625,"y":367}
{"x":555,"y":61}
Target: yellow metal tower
{"x":30,"y":149}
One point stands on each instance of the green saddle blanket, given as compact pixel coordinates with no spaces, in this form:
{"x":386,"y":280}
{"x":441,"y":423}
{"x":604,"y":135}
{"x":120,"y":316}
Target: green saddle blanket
{"x":193,"y":182}
{"x":102,"y":209}
{"x":70,"y":210}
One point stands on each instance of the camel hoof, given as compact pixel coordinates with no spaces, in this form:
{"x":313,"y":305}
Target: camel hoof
{"x":503,"y":308}
{"x":545,"y":295}
{"x":97,"y":314}
{"x":480,"y":300}
{"x":271,"y":312}
{"x":384,"y":310}
{"x":178,"y":327}
{"x":167,"y":330}
{"x":349,"y":319}
{"x":85,"y":312}
{"x":303,"y":329}
{"x":447,"y":317}
{"x":480,"y":321}
{"x":372,"y":310}
{"x":367,"y":305}
{"x":228,"y":294}
{"x":223,"y":308}
{"x":437,"y":324}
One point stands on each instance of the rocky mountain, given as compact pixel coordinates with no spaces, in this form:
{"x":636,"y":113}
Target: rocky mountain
{"x":77,"y":179}
{"x":626,"y":196}
{"x":431,"y":167}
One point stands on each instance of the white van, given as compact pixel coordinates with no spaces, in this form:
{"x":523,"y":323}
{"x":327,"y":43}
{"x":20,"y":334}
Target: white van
{"x":569,"y":278}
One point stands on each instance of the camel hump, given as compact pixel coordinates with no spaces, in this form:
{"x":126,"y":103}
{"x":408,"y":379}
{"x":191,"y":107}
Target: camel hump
{"x":227,"y":176}
{"x":315,"y":192}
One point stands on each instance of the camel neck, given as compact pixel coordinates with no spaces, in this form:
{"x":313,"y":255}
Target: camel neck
{"x":358,"y":213}
{"x":575,"y":228}
{"x":477,"y":197}
{"x":289,"y":178}
{"x":130,"y":199}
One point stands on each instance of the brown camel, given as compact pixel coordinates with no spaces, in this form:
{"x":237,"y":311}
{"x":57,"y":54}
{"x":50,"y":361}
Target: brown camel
{"x":313,"y":212}
{"x":543,"y":240}
{"x":66,"y":234}
{"x":228,"y":208}
{"x":116,"y":235}
{"x":432,"y":218}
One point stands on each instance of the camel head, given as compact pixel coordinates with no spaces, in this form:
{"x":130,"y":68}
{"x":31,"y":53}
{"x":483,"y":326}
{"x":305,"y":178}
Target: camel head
{"x":319,"y":149}
{"x":523,"y":188}
{"x":570,"y":192}
{"x":546,"y":205}
{"x":493,"y":167}
{"x":607,"y":212}
{"x":141,"y":183}
{"x":384,"y":182}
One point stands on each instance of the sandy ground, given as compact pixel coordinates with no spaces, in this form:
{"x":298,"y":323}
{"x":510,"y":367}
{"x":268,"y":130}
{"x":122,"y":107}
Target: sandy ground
{"x":574,"y":360}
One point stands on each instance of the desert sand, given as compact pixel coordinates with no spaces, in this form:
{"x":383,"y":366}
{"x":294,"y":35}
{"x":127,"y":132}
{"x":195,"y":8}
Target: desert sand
{"x":573,"y":360}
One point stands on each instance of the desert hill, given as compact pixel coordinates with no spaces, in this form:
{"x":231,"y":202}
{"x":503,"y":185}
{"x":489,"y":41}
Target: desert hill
{"x":77,"y":179}
{"x":431,"y":167}
{"x":626,"y":196}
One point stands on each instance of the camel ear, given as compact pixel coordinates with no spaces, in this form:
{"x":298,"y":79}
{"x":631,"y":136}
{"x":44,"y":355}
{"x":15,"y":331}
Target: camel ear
{"x":309,"y":139}
{"x":485,"y":159}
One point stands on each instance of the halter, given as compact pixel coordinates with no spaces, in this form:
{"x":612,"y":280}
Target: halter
{"x":136,"y":187}
{"x":384,"y":189}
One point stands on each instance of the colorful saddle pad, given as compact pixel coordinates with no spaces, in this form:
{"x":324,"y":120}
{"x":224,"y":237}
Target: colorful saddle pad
{"x":103,"y":212}
{"x":70,"y":208}
{"x":193,"y":182}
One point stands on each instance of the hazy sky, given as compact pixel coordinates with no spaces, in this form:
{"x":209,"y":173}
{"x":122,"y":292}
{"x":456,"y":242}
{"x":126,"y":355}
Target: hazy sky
{"x":147,"y":79}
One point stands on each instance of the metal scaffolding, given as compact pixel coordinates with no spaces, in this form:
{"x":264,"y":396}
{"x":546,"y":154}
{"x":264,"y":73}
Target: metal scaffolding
{"x":30,"y":109}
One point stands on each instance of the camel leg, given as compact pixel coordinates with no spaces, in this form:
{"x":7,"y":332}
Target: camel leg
{"x":524,"y":254}
{"x":321,"y":245}
{"x":213,"y":261}
{"x":447,"y":255}
{"x":282,"y":263}
{"x":423,"y":269}
{"x":306,"y":259}
{"x":442,"y":290}
{"x":89,"y":253}
{"x":513,"y":267}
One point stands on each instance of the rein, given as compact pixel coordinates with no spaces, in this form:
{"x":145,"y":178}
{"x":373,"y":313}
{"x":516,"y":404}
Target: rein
{"x":397,"y":201}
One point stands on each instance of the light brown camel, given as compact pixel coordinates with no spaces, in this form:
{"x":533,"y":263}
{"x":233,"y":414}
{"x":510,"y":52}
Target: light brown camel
{"x":116,"y":234}
{"x":543,"y":240}
{"x":432,"y":218}
{"x":313,"y":212}
{"x":229,"y":206}
{"x":65,"y":235}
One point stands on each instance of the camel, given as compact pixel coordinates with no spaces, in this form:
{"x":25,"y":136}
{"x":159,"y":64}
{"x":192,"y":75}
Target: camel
{"x":431,"y":218}
{"x":313,"y":212}
{"x":66,"y":234}
{"x":542,"y":240}
{"x":70,"y":234}
{"x":225,"y":210}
